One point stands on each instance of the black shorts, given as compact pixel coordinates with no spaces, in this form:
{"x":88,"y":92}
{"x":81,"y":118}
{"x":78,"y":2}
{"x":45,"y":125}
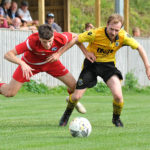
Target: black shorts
{"x":88,"y":76}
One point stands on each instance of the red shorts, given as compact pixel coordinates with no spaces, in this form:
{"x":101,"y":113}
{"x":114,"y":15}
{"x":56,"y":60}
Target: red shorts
{"x":55,"y":69}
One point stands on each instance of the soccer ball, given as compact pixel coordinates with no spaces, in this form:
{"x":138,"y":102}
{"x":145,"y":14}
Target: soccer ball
{"x":80,"y":127}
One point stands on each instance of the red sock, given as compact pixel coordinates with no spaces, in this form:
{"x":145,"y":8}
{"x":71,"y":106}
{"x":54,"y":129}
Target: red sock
{"x":2,"y":84}
{"x":69,"y":91}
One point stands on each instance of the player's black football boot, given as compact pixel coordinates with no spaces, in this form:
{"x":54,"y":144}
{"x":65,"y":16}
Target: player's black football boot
{"x":116,"y":121}
{"x":64,"y":119}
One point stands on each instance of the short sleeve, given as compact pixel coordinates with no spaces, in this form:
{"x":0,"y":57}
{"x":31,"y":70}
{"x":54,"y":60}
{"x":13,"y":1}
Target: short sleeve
{"x":87,"y":36}
{"x":130,"y":41}
{"x":21,"y":48}
{"x":67,"y":36}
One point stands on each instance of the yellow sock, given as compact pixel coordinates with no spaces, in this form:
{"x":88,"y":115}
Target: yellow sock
{"x":117,"y":108}
{"x":70,"y":99}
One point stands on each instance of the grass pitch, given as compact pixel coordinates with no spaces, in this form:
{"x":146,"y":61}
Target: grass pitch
{"x":30,"y":122}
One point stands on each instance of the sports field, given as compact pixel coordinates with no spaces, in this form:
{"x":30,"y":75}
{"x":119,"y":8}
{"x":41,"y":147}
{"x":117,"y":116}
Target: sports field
{"x":30,"y":122}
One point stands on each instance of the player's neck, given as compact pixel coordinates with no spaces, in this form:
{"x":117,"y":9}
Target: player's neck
{"x":112,"y":40}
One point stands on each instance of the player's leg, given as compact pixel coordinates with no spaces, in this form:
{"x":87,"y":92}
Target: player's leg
{"x":59,"y":71}
{"x":73,"y":100}
{"x":87,"y":79}
{"x":115,"y":86}
{"x":10,"y":89}
{"x":70,"y":82}
{"x":15,"y":84}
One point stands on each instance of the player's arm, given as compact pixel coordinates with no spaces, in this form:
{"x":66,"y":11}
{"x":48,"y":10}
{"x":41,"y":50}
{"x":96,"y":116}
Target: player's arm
{"x":89,"y":55}
{"x":145,"y":60}
{"x":68,"y":45}
{"x":71,"y":43}
{"x":55,"y":56}
{"x":12,"y":57}
{"x":130,"y":41}
{"x":12,"y":54}
{"x":87,"y":36}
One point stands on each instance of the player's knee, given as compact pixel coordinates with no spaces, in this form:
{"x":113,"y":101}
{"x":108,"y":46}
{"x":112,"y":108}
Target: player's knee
{"x":10,"y":94}
{"x":70,"y":91}
{"x":118,"y":97}
{"x":77,"y":97}
{"x":72,"y":88}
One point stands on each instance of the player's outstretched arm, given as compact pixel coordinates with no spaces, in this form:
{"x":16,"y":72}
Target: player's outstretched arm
{"x":145,"y":60}
{"x":55,"y":56}
{"x":68,"y":45}
{"x":89,"y":55}
{"x":11,"y":56}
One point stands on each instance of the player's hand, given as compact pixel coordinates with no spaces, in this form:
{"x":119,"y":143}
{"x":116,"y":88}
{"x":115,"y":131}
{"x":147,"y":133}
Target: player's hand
{"x":91,"y":57}
{"x":148,"y":72}
{"x":53,"y":57}
{"x":27,"y":70}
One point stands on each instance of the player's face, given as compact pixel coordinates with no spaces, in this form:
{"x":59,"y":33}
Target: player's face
{"x":47,"y":43}
{"x":113,"y":30}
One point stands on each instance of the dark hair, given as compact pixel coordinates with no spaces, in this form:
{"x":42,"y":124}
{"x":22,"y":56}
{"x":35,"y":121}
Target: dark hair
{"x":87,"y":25}
{"x":45,"y":31}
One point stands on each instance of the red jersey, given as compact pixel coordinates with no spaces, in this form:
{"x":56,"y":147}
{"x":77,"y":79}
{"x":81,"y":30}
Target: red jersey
{"x":35,"y":53}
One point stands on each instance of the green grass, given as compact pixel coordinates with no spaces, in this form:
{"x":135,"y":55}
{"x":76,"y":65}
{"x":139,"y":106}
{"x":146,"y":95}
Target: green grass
{"x":30,"y":122}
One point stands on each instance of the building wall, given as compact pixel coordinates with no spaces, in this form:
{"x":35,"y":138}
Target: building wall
{"x":127,"y":59}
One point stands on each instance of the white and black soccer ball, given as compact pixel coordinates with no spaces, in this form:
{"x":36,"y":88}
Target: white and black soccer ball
{"x":80,"y":127}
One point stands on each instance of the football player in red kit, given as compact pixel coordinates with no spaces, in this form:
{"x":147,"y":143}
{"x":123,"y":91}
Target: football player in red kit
{"x":41,"y":52}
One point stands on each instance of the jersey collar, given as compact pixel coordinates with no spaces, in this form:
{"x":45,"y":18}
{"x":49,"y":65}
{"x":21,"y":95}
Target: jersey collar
{"x":116,"y":38}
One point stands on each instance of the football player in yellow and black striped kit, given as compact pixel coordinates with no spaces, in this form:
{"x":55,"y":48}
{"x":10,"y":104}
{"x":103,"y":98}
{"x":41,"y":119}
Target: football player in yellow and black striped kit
{"x":104,"y":42}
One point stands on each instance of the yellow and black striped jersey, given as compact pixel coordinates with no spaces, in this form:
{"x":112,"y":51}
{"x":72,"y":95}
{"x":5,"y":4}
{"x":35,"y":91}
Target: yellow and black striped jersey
{"x":102,"y":47}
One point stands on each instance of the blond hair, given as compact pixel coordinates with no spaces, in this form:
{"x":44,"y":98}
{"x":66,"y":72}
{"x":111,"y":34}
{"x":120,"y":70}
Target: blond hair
{"x":115,"y":18}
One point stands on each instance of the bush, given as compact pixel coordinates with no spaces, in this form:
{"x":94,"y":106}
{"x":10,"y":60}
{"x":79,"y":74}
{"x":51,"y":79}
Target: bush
{"x":40,"y":88}
{"x":35,"y":87}
{"x":131,"y":86}
{"x":61,"y":90}
{"x":101,"y":87}
{"x":131,"y":81}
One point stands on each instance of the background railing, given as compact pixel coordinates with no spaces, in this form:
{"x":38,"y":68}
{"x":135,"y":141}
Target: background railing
{"x":127,"y":60}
